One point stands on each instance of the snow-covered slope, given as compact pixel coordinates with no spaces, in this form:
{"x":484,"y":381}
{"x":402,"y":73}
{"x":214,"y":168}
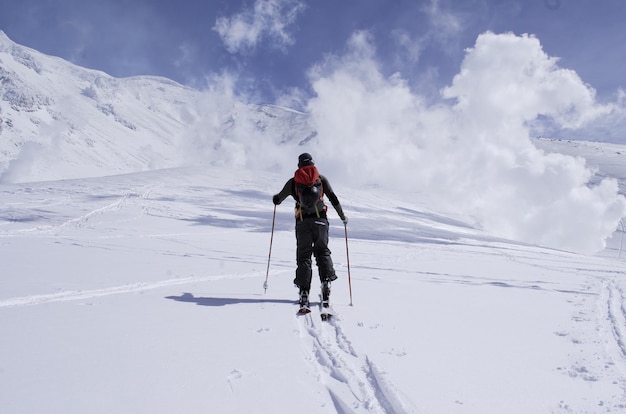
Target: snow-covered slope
{"x":59,"y":120}
{"x":606,"y":159}
{"x":143,"y":293}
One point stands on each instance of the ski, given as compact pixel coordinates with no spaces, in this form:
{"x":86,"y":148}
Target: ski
{"x":304,"y":310}
{"x":303,"y":302}
{"x":326,"y":316}
{"x":325,"y":310}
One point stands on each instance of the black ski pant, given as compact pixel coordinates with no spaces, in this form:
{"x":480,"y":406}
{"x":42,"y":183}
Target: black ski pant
{"x":312,"y":239}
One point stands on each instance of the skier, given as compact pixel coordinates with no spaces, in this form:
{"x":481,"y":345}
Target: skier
{"x":308,"y":188}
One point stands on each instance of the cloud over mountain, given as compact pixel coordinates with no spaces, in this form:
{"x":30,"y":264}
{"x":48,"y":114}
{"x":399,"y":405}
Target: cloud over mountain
{"x":470,"y":153}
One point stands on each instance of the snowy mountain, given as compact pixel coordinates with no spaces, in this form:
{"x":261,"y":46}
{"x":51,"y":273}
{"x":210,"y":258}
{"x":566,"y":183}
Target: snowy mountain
{"x":459,"y":287}
{"x":58,"y":120}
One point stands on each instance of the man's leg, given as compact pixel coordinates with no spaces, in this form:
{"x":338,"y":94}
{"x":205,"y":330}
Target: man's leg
{"x":322,"y":252}
{"x":304,"y":249}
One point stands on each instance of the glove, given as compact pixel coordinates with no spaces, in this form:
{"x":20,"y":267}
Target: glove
{"x":345,"y":220}
{"x":276,"y":200}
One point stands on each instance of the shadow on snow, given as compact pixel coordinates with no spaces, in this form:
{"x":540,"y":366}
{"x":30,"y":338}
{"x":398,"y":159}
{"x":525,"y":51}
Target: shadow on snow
{"x":206,"y":301}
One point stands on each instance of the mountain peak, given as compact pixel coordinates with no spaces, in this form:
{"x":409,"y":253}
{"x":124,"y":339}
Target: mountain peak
{"x":5,"y":42}
{"x":4,"y":37}
{"x":59,"y":120}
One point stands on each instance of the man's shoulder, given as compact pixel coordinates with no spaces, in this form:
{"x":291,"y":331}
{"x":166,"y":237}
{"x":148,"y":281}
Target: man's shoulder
{"x":325,"y":183}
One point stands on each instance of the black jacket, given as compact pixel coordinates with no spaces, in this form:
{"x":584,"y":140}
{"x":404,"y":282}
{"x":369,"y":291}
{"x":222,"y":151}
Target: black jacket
{"x":289,"y":189}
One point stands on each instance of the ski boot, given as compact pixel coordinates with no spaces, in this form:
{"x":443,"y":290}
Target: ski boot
{"x":325,"y":311}
{"x":326,"y":293}
{"x":304,"y":302}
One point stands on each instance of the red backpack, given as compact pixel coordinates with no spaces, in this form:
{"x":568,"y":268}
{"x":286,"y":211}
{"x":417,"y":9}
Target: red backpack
{"x":309,"y":191}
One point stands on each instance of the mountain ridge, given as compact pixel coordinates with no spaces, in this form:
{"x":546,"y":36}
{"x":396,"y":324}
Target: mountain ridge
{"x":61,"y":115}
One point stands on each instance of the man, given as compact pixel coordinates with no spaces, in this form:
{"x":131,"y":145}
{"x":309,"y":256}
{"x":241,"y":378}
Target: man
{"x":308,"y":188}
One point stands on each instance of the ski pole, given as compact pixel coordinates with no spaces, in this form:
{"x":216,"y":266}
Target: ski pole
{"x":345,"y":227}
{"x":267,"y":274}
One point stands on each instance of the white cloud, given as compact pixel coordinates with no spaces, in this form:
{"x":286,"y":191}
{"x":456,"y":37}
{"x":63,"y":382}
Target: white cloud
{"x":187,"y":53}
{"x":508,"y":78}
{"x":445,"y":23}
{"x":442,"y":28}
{"x":474,"y":155}
{"x":470,"y":154}
{"x":267,"y":20}
{"x":411,"y":46}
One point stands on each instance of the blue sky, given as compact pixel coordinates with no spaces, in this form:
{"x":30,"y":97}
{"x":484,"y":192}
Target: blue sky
{"x":272,"y":44}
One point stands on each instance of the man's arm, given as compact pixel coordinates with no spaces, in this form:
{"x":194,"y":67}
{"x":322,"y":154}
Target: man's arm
{"x":284,"y":193}
{"x":328,"y":191}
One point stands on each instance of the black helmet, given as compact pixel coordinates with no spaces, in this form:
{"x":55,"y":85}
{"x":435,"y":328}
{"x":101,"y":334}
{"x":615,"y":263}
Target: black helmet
{"x":305,"y":159}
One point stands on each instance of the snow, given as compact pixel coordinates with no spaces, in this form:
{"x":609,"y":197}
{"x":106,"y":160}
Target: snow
{"x":143,"y":293}
{"x":136,"y":221}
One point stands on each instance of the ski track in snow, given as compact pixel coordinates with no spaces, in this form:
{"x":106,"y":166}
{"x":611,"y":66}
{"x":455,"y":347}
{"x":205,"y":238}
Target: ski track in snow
{"x":80,"y":221}
{"x":353,"y":381}
{"x":613,"y":322}
{"x":71,"y":295}
{"x":611,"y":317}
